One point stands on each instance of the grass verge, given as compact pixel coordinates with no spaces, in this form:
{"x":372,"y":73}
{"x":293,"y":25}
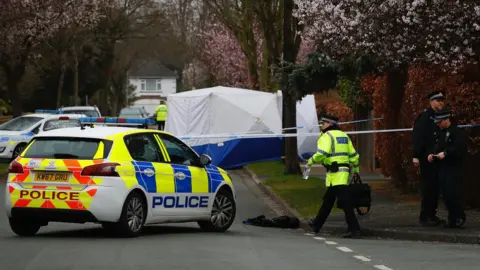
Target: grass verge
{"x":303,"y":195}
{"x":4,"y":168}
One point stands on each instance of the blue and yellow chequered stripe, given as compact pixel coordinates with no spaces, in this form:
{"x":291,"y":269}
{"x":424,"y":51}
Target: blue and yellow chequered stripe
{"x":161,"y":182}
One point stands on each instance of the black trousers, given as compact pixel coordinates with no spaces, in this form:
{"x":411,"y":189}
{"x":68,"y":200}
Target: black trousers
{"x":430,"y":188}
{"x":450,"y":177}
{"x":340,"y":193}
{"x":161,"y":125}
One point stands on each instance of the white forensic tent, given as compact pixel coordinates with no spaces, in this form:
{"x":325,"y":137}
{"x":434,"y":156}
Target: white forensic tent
{"x":307,"y":122}
{"x":225,"y":110}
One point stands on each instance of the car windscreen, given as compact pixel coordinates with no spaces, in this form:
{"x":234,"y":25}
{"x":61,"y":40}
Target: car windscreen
{"x":20,"y":123}
{"x":130,"y":112}
{"x":56,"y":123}
{"x":89,"y":113}
{"x":67,"y":148}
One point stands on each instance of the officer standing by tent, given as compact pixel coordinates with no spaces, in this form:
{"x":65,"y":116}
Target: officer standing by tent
{"x":448,"y":153}
{"x":423,"y":129}
{"x":161,"y":113}
{"x":336,"y":153}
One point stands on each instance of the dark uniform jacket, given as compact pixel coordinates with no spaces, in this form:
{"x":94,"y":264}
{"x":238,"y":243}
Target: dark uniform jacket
{"x":423,"y":128}
{"x":453,"y":142}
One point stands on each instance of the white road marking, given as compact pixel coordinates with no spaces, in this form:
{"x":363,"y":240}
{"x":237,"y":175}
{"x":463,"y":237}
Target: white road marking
{"x":362,"y":258}
{"x":382,"y":267}
{"x":344,"y":249}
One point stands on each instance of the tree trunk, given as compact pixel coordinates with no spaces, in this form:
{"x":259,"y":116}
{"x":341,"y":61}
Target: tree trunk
{"x":364,"y":142}
{"x":13,"y":77}
{"x":61,"y":79}
{"x":396,"y":83}
{"x":289,"y":98}
{"x":12,"y":84}
{"x":75,"y":76}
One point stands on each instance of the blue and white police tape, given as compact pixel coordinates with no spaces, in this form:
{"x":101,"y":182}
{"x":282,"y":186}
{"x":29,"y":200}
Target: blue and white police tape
{"x":340,"y":123}
{"x":117,"y":121}
{"x":286,"y":135}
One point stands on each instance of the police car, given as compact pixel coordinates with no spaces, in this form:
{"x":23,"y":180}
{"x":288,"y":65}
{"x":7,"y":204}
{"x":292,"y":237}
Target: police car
{"x":16,"y":133}
{"x":120,"y":177}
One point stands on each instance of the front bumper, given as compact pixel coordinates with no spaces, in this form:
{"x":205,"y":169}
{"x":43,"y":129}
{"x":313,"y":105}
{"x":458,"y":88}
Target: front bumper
{"x":90,"y":204}
{"x":6,"y":149}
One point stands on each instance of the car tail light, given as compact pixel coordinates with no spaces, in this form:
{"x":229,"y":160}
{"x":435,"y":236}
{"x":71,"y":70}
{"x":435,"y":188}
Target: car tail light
{"x":15,"y":167}
{"x":64,"y":118}
{"x":102,"y":169}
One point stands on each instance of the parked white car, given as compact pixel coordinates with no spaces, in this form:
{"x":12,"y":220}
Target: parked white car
{"x":16,"y":133}
{"x":89,"y":111}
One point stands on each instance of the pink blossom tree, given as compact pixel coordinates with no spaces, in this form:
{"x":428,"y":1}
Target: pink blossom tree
{"x":398,"y":32}
{"x":25,"y":24}
{"x":223,"y":56}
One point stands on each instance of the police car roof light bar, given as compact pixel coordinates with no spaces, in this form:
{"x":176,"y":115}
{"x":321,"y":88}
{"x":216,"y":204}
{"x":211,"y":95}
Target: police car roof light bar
{"x":117,"y":121}
{"x":49,"y":111}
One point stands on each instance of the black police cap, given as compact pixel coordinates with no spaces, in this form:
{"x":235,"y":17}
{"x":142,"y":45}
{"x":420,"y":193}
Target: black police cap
{"x":436,"y":95}
{"x":442,"y":115}
{"x":330,"y":118}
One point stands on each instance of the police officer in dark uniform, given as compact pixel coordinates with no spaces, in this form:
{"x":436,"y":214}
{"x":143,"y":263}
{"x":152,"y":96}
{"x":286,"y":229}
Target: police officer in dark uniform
{"x":448,"y":154}
{"x":423,"y":129}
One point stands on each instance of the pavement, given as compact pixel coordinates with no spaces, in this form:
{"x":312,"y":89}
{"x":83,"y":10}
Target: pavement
{"x":392,"y":216}
{"x":185,"y":246}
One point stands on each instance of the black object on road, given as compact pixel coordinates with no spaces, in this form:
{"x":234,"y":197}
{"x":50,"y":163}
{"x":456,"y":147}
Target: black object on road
{"x":284,"y":222}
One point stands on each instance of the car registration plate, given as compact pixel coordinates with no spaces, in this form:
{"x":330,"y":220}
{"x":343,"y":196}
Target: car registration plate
{"x":51,"y":177}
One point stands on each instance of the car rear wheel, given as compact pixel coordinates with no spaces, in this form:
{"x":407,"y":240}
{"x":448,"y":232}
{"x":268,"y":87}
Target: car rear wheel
{"x":18,"y":150}
{"x":23,"y":227}
{"x":223,"y":213}
{"x":132,"y":219}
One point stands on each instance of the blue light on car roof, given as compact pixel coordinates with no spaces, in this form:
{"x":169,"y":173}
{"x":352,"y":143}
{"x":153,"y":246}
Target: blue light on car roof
{"x":49,"y":111}
{"x":117,"y":121}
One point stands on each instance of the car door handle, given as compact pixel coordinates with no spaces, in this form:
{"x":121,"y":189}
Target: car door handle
{"x":148,"y":172}
{"x":180,"y":175}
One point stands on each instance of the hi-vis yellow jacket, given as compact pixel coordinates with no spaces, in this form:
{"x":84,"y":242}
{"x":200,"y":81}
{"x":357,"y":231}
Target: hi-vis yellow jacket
{"x":335,"y":145}
{"x":161,"y":112}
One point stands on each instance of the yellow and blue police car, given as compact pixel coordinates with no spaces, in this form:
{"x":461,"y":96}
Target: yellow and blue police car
{"x":121,"y":177}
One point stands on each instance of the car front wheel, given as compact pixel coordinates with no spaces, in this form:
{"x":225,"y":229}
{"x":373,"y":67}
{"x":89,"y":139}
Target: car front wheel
{"x":223,"y":213}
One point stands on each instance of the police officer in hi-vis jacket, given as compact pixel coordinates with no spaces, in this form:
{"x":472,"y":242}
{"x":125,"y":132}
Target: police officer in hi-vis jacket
{"x":336,"y":153}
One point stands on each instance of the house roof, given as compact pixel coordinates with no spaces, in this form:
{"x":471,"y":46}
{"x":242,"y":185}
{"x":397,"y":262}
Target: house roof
{"x":150,"y":68}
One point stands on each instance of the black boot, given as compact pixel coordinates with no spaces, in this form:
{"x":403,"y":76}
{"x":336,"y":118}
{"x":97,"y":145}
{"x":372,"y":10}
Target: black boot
{"x":351,"y":234}
{"x":431,"y":221}
{"x":315,"y":229}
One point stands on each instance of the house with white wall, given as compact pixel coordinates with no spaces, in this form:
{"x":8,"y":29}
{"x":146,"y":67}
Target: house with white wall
{"x":153,"y":82}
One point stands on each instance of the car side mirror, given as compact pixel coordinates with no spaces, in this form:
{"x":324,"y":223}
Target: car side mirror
{"x":205,"y":159}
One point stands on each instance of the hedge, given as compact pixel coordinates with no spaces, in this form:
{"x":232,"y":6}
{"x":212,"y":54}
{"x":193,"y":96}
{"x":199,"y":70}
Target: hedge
{"x":394,"y":150}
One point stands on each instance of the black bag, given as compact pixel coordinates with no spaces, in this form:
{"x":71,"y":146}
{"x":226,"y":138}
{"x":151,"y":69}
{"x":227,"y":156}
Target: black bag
{"x":360,"y":194}
{"x":284,"y":222}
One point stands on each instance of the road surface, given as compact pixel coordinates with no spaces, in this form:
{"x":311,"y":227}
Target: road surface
{"x":185,"y":246}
